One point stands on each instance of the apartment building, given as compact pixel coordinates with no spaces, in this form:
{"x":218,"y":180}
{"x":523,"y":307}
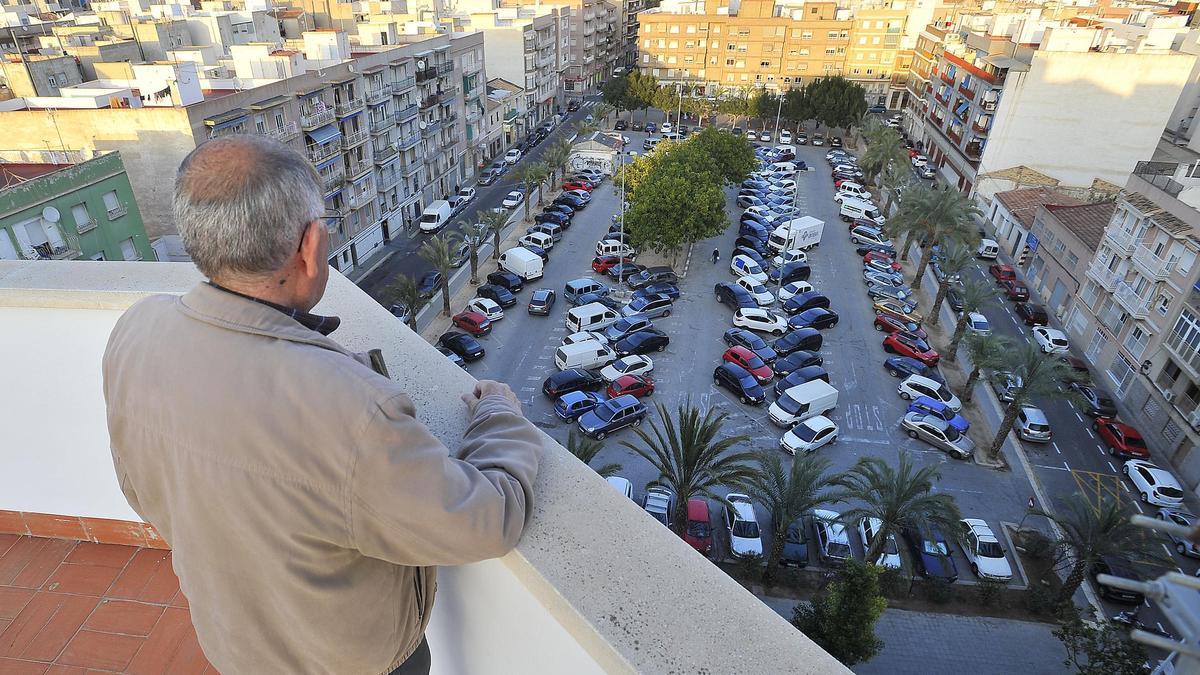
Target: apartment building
{"x":384,"y":125}
{"x":1138,"y":315}
{"x":628,"y":33}
{"x":1071,"y":102}
{"x":527,"y":45}
{"x":593,"y":44}
{"x":39,"y":74}
{"x":1012,"y":216}
{"x":1066,"y":239}
{"x":514,"y":113}
{"x":875,"y":57}
{"x":67,"y":206}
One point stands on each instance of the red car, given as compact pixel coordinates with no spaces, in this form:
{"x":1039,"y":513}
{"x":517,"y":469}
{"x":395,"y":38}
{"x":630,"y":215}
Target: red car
{"x":1122,"y":440}
{"x":635,"y":385}
{"x":1002,"y":273}
{"x":876,"y":255}
{"x":472,"y":322}
{"x":747,"y":359}
{"x":576,"y":185}
{"x":907,"y":344}
{"x":699,"y":526}
{"x":890,"y":324}
{"x":1032,"y":315}
{"x":1015,"y":290}
{"x":601,"y":264}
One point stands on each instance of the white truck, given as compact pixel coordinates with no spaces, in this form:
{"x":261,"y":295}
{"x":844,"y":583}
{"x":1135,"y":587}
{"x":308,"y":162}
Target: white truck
{"x":522,"y":262}
{"x":801,"y":233}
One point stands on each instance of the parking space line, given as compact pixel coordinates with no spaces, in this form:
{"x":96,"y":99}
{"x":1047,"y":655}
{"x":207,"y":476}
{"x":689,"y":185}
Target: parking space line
{"x":1166,"y":549}
{"x":1056,"y":468}
{"x":1079,"y":416}
{"x":1066,"y":465}
{"x":1110,"y":465}
{"x":1090,"y":433}
{"x":1124,"y":486}
{"x":1056,"y":448}
{"x":1139,"y":506}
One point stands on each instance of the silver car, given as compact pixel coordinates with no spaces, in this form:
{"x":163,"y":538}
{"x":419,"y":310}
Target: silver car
{"x":901,"y":293}
{"x":938,"y":433}
{"x":1005,"y":384}
{"x":871,"y":276}
{"x":1032,"y":425}
{"x":1184,"y":546}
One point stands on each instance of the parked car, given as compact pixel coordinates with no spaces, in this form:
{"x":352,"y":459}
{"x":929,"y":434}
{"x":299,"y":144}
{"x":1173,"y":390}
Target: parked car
{"x":512,"y":156}
{"x":1051,"y":340}
{"x":462,"y":344}
{"x":795,"y":545}
{"x":626,"y":326}
{"x":634,"y":364}
{"x":759,"y":319}
{"x":791,"y":290}
{"x":1097,"y":402}
{"x":513,"y":199}
{"x":571,"y":379}
{"x":890,"y":324}
{"x":1031,"y":314}
{"x":611,"y":416}
{"x":486,"y":307}
{"x":699,"y":526}
{"x":664,"y":288}
{"x":1117,"y":567}
{"x":633,"y":385}
{"x":898,"y":309}
{"x":1002,"y":273}
{"x":541,"y":301}
{"x":938,"y":433}
{"x":1015,"y":290}
{"x":1183,"y":545}
{"x":908,"y":344}
{"x":784,"y":366}
{"x":790,"y":272}
{"x":745,"y":539}
{"x":983,"y":551}
{"x":750,"y":361}
{"x":601,"y":264}
{"x":868,"y":529}
{"x":729,"y":293}
{"x":497,"y":294}
{"x":741,"y":337}
{"x":429,"y":283}
{"x":798,"y":376}
{"x":817,"y":317}
{"x":808,"y":339}
{"x":809,"y":435}
{"x":454,"y":358}
{"x":506,"y":280}
{"x":740,"y":382}
{"x":1122,"y":440}
{"x":641,"y":342}
{"x":931,"y":555}
{"x":659,"y":502}
{"x":804,"y":301}
{"x":473,"y":323}
{"x":572,"y":404}
{"x":931,"y":406}
{"x":1154,"y":484}
{"x":1006,"y":384}
{"x":978,"y":324}
{"x":1031,"y":425}
{"x":914,"y":386}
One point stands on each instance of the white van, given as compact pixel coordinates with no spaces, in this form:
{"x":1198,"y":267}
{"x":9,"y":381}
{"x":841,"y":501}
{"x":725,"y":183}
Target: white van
{"x":988,"y":249}
{"x":803,"y":401}
{"x":522,"y":262}
{"x":539,"y":239}
{"x":857,"y":208}
{"x":582,"y":286}
{"x":586,"y":355}
{"x":592,"y":316}
{"x":613,"y":247}
{"x":435,"y":216}
{"x":801,"y":233}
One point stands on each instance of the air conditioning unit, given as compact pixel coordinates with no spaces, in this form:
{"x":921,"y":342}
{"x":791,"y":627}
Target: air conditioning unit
{"x":1194,"y":420}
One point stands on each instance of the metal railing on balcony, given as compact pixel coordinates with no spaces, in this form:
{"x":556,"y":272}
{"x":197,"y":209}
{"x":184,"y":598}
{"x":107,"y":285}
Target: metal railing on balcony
{"x":117,"y":211}
{"x":382,"y":155}
{"x":319,"y":153}
{"x":473,"y":114}
{"x":431,"y":128}
{"x":1104,"y":277}
{"x":387,"y":181}
{"x":284,"y":133}
{"x":408,"y":142}
{"x":46,"y":251}
{"x":382,"y":124}
{"x":410,"y":166}
{"x":1120,"y":240}
{"x":1150,"y":264}
{"x":1160,"y":175}
{"x":357,"y":167}
{"x":86,"y":226}
{"x":1185,"y":352}
{"x":1135,"y":305}
{"x":977,"y":128}
{"x":407,"y":113}
{"x":333,"y":181}
{"x":445,"y":68}
{"x":356,"y":138}
{"x":374,"y":96}
{"x":973,"y":150}
{"x":312,"y":120}
{"x":429,"y":101}
{"x":402,"y":85}
{"x":426,"y":75}
{"x":968,"y":92}
{"x":347,"y":107}
{"x":987,"y":105}
{"x":955,"y":136}
{"x":357,"y":200}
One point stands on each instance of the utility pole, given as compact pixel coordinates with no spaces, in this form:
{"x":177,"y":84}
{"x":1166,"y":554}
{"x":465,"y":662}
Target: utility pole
{"x":778,"y":113}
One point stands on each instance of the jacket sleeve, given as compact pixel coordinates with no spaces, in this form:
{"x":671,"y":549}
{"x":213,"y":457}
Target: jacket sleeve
{"x":414,"y":503}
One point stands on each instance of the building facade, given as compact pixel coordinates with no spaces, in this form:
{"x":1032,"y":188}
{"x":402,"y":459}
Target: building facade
{"x":529,"y":46}
{"x":1066,"y":241}
{"x":59,"y":206}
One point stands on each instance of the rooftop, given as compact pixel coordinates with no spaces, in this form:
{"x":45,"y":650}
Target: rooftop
{"x":1023,"y":203}
{"x":1087,"y":221}
{"x":13,"y":173}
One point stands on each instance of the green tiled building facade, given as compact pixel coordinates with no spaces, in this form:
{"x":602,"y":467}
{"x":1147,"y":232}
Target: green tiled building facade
{"x":81,"y":211}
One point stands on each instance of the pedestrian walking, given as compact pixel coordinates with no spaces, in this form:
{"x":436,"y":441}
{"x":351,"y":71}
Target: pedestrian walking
{"x":716,"y":255}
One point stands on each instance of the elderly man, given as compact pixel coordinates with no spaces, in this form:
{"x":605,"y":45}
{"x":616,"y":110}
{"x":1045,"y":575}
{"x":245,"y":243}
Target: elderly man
{"x":306,"y":507}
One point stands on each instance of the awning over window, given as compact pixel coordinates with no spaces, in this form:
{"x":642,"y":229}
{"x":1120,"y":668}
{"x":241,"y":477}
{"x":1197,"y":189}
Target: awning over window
{"x":961,"y":108}
{"x":226,"y":119}
{"x":328,"y":162}
{"x":324,"y":134}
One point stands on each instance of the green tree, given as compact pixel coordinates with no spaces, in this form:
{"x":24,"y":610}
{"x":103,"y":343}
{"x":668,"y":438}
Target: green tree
{"x":600,"y":112}
{"x":986,"y":352}
{"x":974,"y":296}
{"x":616,"y":93}
{"x":493,"y":223}
{"x":674,"y":206}
{"x":404,"y":291}
{"x":529,"y":176}
{"x":585,"y":450}
{"x":954,"y":258}
{"x":1041,"y":377}
{"x":900,"y":496}
{"x":736,"y":104}
{"x":437,"y":252}
{"x":842,"y":618}
{"x":788,"y":493}
{"x":936,"y":217}
{"x":583,"y":129}
{"x":1099,"y":647}
{"x":796,"y":107}
{"x":836,"y":101}
{"x":764,"y":106}
{"x":473,"y":237}
{"x":689,"y":453}
{"x":643,"y":90}
{"x":1092,"y":530}
{"x":730,"y":158}
{"x":893,"y":179}
{"x":558,"y":158}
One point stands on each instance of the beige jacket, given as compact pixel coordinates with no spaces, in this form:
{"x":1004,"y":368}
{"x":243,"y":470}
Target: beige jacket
{"x":306,"y":507}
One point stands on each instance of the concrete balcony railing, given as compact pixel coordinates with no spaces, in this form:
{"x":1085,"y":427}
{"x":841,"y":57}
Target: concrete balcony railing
{"x":349,"y":106}
{"x":1103,"y":277}
{"x":375,"y":96}
{"x":360,"y":199}
{"x":402,"y":85}
{"x":357,"y":167}
{"x":431,"y":128}
{"x":386,"y":181}
{"x":319,"y":153}
{"x":333,"y":180}
{"x":1121,"y":241}
{"x":445,"y":68}
{"x":285,"y":133}
{"x":312,"y":120}
{"x":408,"y":142}
{"x":1150,"y":264}
{"x":385,"y":153}
{"x":593,"y":586}
{"x":1137,"y":306}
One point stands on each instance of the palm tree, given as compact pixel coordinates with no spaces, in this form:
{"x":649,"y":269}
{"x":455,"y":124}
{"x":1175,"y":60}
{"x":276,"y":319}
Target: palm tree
{"x":986,"y":351}
{"x":528,"y":175}
{"x":974,"y":295}
{"x":884,"y":149}
{"x":690,"y":455}
{"x":405,"y":291}
{"x":787,"y":493}
{"x":436,"y":251}
{"x":954,"y":259}
{"x":901,"y":497}
{"x":472,"y":236}
{"x":541,"y":173}
{"x":1091,"y":531}
{"x":558,"y":158}
{"x":892,"y":179}
{"x":1041,"y":377}
{"x":585,"y":450}
{"x":493,"y":223}
{"x":949,"y":216}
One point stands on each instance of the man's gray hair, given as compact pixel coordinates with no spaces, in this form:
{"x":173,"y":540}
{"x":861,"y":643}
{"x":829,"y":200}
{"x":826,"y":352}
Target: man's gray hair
{"x":242,"y":204}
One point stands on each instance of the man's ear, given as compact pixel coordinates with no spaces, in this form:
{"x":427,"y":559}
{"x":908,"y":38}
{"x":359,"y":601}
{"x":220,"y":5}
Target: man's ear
{"x":311,"y":251}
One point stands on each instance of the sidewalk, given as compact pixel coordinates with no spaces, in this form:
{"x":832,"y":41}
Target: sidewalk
{"x":914,"y":641}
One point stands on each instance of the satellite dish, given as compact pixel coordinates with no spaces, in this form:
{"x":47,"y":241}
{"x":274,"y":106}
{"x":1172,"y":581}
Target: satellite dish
{"x":51,"y":214}
{"x":423,"y":124}
{"x":420,"y":64}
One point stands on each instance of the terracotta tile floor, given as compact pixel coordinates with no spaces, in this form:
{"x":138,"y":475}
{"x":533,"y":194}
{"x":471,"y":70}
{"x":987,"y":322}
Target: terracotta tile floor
{"x":69,"y":607}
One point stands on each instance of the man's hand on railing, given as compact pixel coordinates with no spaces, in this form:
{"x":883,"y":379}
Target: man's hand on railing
{"x":486,"y":388}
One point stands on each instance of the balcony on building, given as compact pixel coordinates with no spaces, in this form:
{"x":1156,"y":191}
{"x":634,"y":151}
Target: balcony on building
{"x":283,"y":133}
{"x":1135,"y":305}
{"x":431,"y":127}
{"x":407,"y":113}
{"x":377,"y":95}
{"x":1187,"y":354}
{"x":402,"y":85}
{"x":1098,"y":271}
{"x":228,"y":122}
{"x":981,"y":124}
{"x":407,"y":142}
{"x":974,"y":149}
{"x":954,"y":133}
{"x":425,"y":74}
{"x":1162,"y":175}
{"x":348,"y":106}
{"x":333,"y":179}
{"x":319,"y":152}
{"x":1122,"y":241}
{"x":312,"y":118}
{"x":384,"y":152}
{"x":381,"y":122}
{"x":593,"y":586}
{"x":386,"y":180}
{"x":353,"y":138}
{"x":1150,"y":264}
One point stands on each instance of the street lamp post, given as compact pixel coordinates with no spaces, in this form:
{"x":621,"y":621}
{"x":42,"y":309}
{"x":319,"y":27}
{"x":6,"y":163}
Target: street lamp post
{"x":778,"y":113}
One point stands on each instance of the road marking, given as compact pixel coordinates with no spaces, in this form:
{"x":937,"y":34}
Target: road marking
{"x":1056,"y":468}
{"x":1056,"y":448}
{"x":532,"y":378}
{"x":1139,"y":506}
{"x":1124,"y":486}
{"x":851,"y":439}
{"x":1079,"y":416}
{"x":1090,"y":433}
{"x":1168,"y":554}
{"x":1110,"y":465}
{"x":1066,"y":465}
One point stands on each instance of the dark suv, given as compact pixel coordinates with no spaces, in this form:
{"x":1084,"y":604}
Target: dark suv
{"x":497,"y":294}
{"x":733,"y":295}
{"x":506,"y":280}
{"x":739,"y":381}
{"x":652,"y":275}
{"x":571,"y":379}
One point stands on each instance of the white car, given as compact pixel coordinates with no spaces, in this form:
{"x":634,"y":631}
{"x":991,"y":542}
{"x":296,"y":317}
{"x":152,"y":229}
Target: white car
{"x":785,"y":137}
{"x":978,"y":324}
{"x":666,"y":128}
{"x":757,"y":290}
{"x":512,"y":156}
{"x":761,"y":210}
{"x":916,"y":386}
{"x":809,"y":435}
{"x":1154,"y":484}
{"x":581,"y":194}
{"x":919,"y":161}
{"x":983,"y":551}
{"x":751,"y":136}
{"x":788,"y":257}
{"x":622,"y":485}
{"x":1052,"y":341}
{"x":743,"y":266}
{"x":783,"y":186}
{"x":890,"y":555}
{"x":745,"y":539}
{"x":759,"y":319}
{"x":467,"y":194}
{"x":634,"y":364}
{"x":794,"y":288}
{"x":486,"y":307}
{"x":513,"y":199}
{"x":584,"y":336}
{"x":765,"y":136}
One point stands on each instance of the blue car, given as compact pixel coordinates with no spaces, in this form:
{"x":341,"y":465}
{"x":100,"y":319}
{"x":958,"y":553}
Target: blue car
{"x":795,"y":361}
{"x":571,"y":405}
{"x":903,"y":366}
{"x":929,"y":406}
{"x":612,"y":415}
{"x":816,"y":317}
{"x":795,"y":271}
{"x":658,"y":288}
{"x":800,"y":376}
{"x":795,"y":545}
{"x":932,"y":555}
{"x":651,"y":127}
